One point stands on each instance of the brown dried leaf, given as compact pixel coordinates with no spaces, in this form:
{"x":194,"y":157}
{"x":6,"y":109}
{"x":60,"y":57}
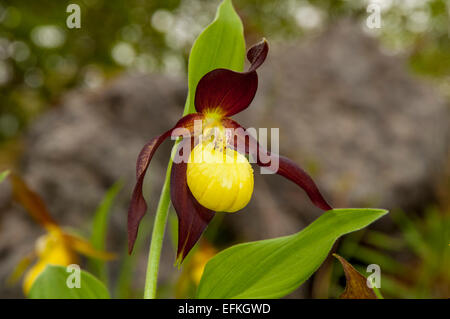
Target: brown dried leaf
{"x":356,"y":286}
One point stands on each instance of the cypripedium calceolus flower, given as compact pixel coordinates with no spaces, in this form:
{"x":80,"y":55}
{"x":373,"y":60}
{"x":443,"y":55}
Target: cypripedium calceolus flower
{"x":56,"y":247}
{"x":222,"y":180}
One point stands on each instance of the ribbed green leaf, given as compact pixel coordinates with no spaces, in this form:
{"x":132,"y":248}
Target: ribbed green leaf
{"x":273,"y":268}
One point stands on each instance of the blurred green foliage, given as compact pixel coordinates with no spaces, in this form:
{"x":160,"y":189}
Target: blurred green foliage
{"x":40,"y":58}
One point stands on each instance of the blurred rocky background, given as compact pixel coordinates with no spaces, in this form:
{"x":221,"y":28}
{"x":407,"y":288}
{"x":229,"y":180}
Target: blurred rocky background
{"x":366,"y":112}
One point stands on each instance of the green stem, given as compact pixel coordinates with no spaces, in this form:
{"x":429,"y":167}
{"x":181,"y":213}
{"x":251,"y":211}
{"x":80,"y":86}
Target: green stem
{"x":159,"y":226}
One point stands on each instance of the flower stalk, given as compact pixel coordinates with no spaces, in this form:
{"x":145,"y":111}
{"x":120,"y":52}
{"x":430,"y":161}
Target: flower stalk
{"x":159,"y":227}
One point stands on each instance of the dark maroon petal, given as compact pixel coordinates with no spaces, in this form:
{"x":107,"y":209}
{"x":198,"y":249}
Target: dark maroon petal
{"x":138,"y":206}
{"x":225,"y":91}
{"x":230,"y":92}
{"x":296,"y":174}
{"x":246,"y":144}
{"x":257,"y":54}
{"x":193,"y":218}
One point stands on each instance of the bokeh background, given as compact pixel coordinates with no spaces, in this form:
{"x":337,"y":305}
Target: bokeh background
{"x":365,"y":111}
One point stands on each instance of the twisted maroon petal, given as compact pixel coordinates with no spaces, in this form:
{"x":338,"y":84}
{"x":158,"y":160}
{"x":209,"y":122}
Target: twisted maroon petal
{"x":246,"y":144}
{"x":230,"y":92}
{"x":193,"y":218}
{"x":257,"y":54}
{"x":138,"y":206}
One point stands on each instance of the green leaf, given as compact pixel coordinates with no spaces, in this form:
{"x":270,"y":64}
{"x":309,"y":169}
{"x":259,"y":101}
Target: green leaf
{"x":220,"y":45}
{"x":3,"y":175}
{"x":52,"y":284}
{"x":273,"y":268}
{"x":99,"y":230}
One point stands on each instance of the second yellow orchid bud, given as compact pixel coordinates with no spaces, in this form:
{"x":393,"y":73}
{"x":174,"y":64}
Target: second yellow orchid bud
{"x":51,"y":250}
{"x":219,"y":178}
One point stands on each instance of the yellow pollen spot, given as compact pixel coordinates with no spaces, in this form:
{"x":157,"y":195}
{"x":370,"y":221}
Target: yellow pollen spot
{"x":214,"y":113}
{"x":219,"y":178}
